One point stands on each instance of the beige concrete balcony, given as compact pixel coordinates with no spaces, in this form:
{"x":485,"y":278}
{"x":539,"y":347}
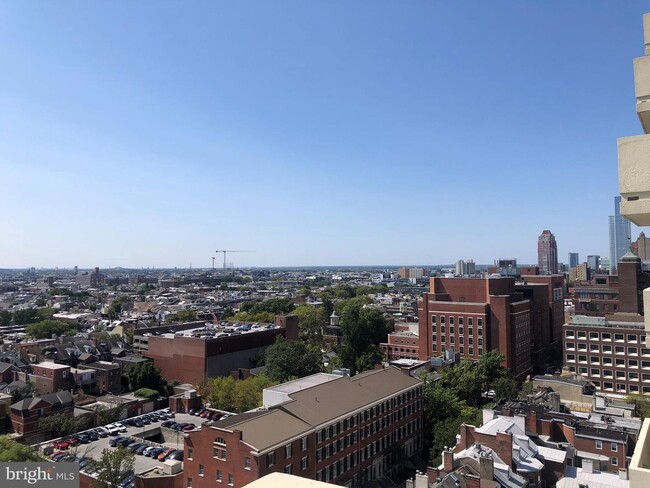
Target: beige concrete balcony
{"x":642,"y":91}
{"x":639,"y":469}
{"x":634,"y":178}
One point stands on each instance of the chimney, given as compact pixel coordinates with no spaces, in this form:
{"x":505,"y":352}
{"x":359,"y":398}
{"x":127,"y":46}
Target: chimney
{"x":486,"y":467}
{"x":488,"y":415}
{"x":504,"y":447}
{"x":448,"y":460}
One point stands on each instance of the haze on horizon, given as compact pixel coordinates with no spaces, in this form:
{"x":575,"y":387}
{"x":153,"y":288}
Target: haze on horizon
{"x":317,"y":133}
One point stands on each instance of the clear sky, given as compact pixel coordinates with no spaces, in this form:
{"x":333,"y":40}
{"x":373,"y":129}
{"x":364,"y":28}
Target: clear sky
{"x":152,"y":133}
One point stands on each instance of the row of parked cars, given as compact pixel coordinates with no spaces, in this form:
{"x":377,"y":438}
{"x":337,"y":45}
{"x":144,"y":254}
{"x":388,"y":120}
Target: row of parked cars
{"x":110,"y":429}
{"x":208,"y":414}
{"x":146,"y":449}
{"x":180,"y":426}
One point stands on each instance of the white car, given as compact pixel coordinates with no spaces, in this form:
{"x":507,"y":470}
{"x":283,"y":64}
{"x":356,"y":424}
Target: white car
{"x":112,"y":429}
{"x":121,"y":427}
{"x":149,"y":449}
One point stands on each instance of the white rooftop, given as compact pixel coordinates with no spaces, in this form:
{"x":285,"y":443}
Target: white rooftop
{"x":51,"y":365}
{"x":574,"y":477}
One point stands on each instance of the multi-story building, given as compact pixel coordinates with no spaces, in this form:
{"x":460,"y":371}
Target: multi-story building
{"x":620,"y":234}
{"x":90,"y":278}
{"x":475,"y":315}
{"x":195,"y":354}
{"x":641,"y":247}
{"x":465,"y":268}
{"x":341,"y":430}
{"x":49,"y":377}
{"x":574,"y":259}
{"x":26,"y":415}
{"x":411,"y":273}
{"x":620,"y":292}
{"x":593,"y":261}
{"x":610,"y":352}
{"x":547,"y":253}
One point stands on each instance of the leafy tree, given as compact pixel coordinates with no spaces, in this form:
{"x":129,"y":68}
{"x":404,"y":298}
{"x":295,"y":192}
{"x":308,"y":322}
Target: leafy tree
{"x":505,"y":388}
{"x":5,"y":318}
{"x":264,"y":317}
{"x":46,"y":328}
{"x":526,"y":389}
{"x":105,"y":416}
{"x":233,"y":395}
{"x":311,"y":323}
{"x":12,"y":451}
{"x":146,"y":375}
{"x":61,"y":424}
{"x":23,"y":392}
{"x":186,"y":315}
{"x":26,"y":316}
{"x":287,"y":359}
{"x":641,"y":403}
{"x":328,"y":306}
{"x":113,"y":466}
{"x":223,"y":393}
{"x":363,"y":329}
{"x":275,"y":306}
{"x":118,"y":305}
{"x":227,"y":313}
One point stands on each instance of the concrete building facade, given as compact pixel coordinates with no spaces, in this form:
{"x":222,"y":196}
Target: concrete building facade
{"x":547,"y":253}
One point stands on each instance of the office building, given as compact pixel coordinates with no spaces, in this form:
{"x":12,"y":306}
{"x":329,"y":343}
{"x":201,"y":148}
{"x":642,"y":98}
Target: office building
{"x":547,"y":253}
{"x":465,"y":268}
{"x":411,"y":273}
{"x":610,"y":352}
{"x":473,"y":316}
{"x":620,"y":234}
{"x":593,"y":262}
{"x":641,"y":247}
{"x":574,"y":259}
{"x":339,"y":430}
{"x":90,"y":278}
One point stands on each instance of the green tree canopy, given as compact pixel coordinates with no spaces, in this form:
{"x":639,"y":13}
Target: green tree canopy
{"x":288,"y":359}
{"x":182,"y":316}
{"x":363,"y":329}
{"x":26,"y":316}
{"x":61,"y":424}
{"x":45,"y":329}
{"x":12,"y":451}
{"x":146,"y":375}
{"x":5,"y":318}
{"x":113,"y":466}
{"x":275,"y":306}
{"x":311,"y":323}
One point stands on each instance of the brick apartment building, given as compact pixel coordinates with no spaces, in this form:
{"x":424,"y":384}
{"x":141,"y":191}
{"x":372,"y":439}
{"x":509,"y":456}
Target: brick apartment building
{"x":609,"y":351}
{"x":605,"y":294}
{"x":26,"y":414}
{"x":473,"y":316}
{"x":48,"y":377}
{"x":335,"y":429}
{"x":192,"y":357}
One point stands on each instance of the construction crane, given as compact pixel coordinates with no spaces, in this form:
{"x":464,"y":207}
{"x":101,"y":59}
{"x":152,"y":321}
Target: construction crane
{"x":224,"y":256}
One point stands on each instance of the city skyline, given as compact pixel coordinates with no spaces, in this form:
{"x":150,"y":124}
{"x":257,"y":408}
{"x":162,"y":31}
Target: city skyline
{"x":286,"y":130}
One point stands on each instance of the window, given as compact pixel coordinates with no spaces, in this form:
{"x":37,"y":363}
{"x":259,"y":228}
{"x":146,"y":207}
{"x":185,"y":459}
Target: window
{"x":570,"y":345}
{"x":288,"y":469}
{"x":442,"y":320}
{"x":303,"y":444}
{"x":570,"y":334}
{"x":606,"y":336}
{"x":599,"y":444}
{"x":270,"y":459}
{"x":593,"y":335}
{"x":460,"y":321}
{"x":433,"y":320}
{"x":470,"y":321}
{"x":189,"y":482}
{"x":619,"y":337}
{"x":189,"y":453}
{"x":614,"y":447}
{"x":451,"y":320}
{"x":631,"y":338}
{"x":288,"y":451}
{"x":614,"y":461}
{"x":247,"y":463}
{"x":219,"y":479}
{"x":201,"y":470}
{"x":231,"y":479}
{"x":304,"y":463}
{"x":479,"y":322}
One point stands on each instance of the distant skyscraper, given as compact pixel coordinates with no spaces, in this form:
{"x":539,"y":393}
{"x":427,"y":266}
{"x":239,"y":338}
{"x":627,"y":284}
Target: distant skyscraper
{"x":620,"y":233}
{"x":464,"y":268}
{"x":574,"y":259}
{"x":547,"y":253}
{"x":593,"y":262}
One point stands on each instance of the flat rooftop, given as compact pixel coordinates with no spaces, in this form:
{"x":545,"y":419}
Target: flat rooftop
{"x":51,"y":365}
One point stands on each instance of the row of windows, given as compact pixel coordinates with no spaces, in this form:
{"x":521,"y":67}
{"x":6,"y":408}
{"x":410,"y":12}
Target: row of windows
{"x":604,"y":336}
{"x":470,"y":351}
{"x":461,"y":330}
{"x":631,"y":363}
{"x":470,"y":320}
{"x":606,"y":349}
{"x":452,"y":340}
{"x":218,"y":477}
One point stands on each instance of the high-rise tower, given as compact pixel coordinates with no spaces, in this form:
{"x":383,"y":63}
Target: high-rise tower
{"x":620,"y":233}
{"x":547,"y":253}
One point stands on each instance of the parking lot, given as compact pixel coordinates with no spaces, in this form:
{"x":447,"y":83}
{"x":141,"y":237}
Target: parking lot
{"x":172,"y":439}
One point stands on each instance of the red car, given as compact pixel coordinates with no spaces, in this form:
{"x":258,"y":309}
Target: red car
{"x":60,"y":444}
{"x":71,"y":441}
{"x":189,"y":427}
{"x":165,"y":453}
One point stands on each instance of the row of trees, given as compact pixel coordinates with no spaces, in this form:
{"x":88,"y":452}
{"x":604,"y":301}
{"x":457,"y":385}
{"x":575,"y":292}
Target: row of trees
{"x":46,"y":328}
{"x":226,"y":393}
{"x":24,"y":316}
{"x":264,"y":311}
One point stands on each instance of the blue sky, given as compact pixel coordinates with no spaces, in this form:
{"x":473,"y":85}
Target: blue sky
{"x":146,"y":134}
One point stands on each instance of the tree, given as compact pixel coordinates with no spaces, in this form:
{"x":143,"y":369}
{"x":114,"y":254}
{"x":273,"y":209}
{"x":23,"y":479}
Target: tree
{"x":47,"y":328}
{"x":505,"y":388}
{"x":12,"y":451}
{"x":113,"y":466}
{"x":287,"y":359}
{"x":275,"y":306}
{"x":5,"y":318}
{"x":311,"y":323}
{"x":26,"y":316}
{"x":23,"y":392}
{"x":146,"y":393}
{"x":641,"y":404}
{"x":146,"y":375}
{"x":362,"y":329}
{"x":61,"y":424}
{"x":186,"y":315}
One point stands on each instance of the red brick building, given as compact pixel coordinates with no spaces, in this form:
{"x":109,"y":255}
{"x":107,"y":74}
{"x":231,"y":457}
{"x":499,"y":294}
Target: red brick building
{"x":191,"y":357}
{"x":343,"y":430}
{"x":473,"y":316}
{"x":49,"y":377}
{"x":26,"y":414}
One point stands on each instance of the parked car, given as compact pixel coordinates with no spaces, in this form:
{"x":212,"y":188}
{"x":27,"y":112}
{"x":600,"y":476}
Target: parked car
{"x":133,"y":447}
{"x":60,"y":444}
{"x":155,"y":452}
{"x":102,"y":432}
{"x":176,"y":455}
{"x":112,"y":429}
{"x":71,"y":441}
{"x":127,"y":481}
{"x":188,"y":427}
{"x":59,"y":456}
{"x":141,"y":448}
{"x":167,"y":423}
{"x":165,"y":453}
{"x":115,"y":440}
{"x":148,"y":450}
{"x":92,"y":435}
{"x":120,"y":426}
